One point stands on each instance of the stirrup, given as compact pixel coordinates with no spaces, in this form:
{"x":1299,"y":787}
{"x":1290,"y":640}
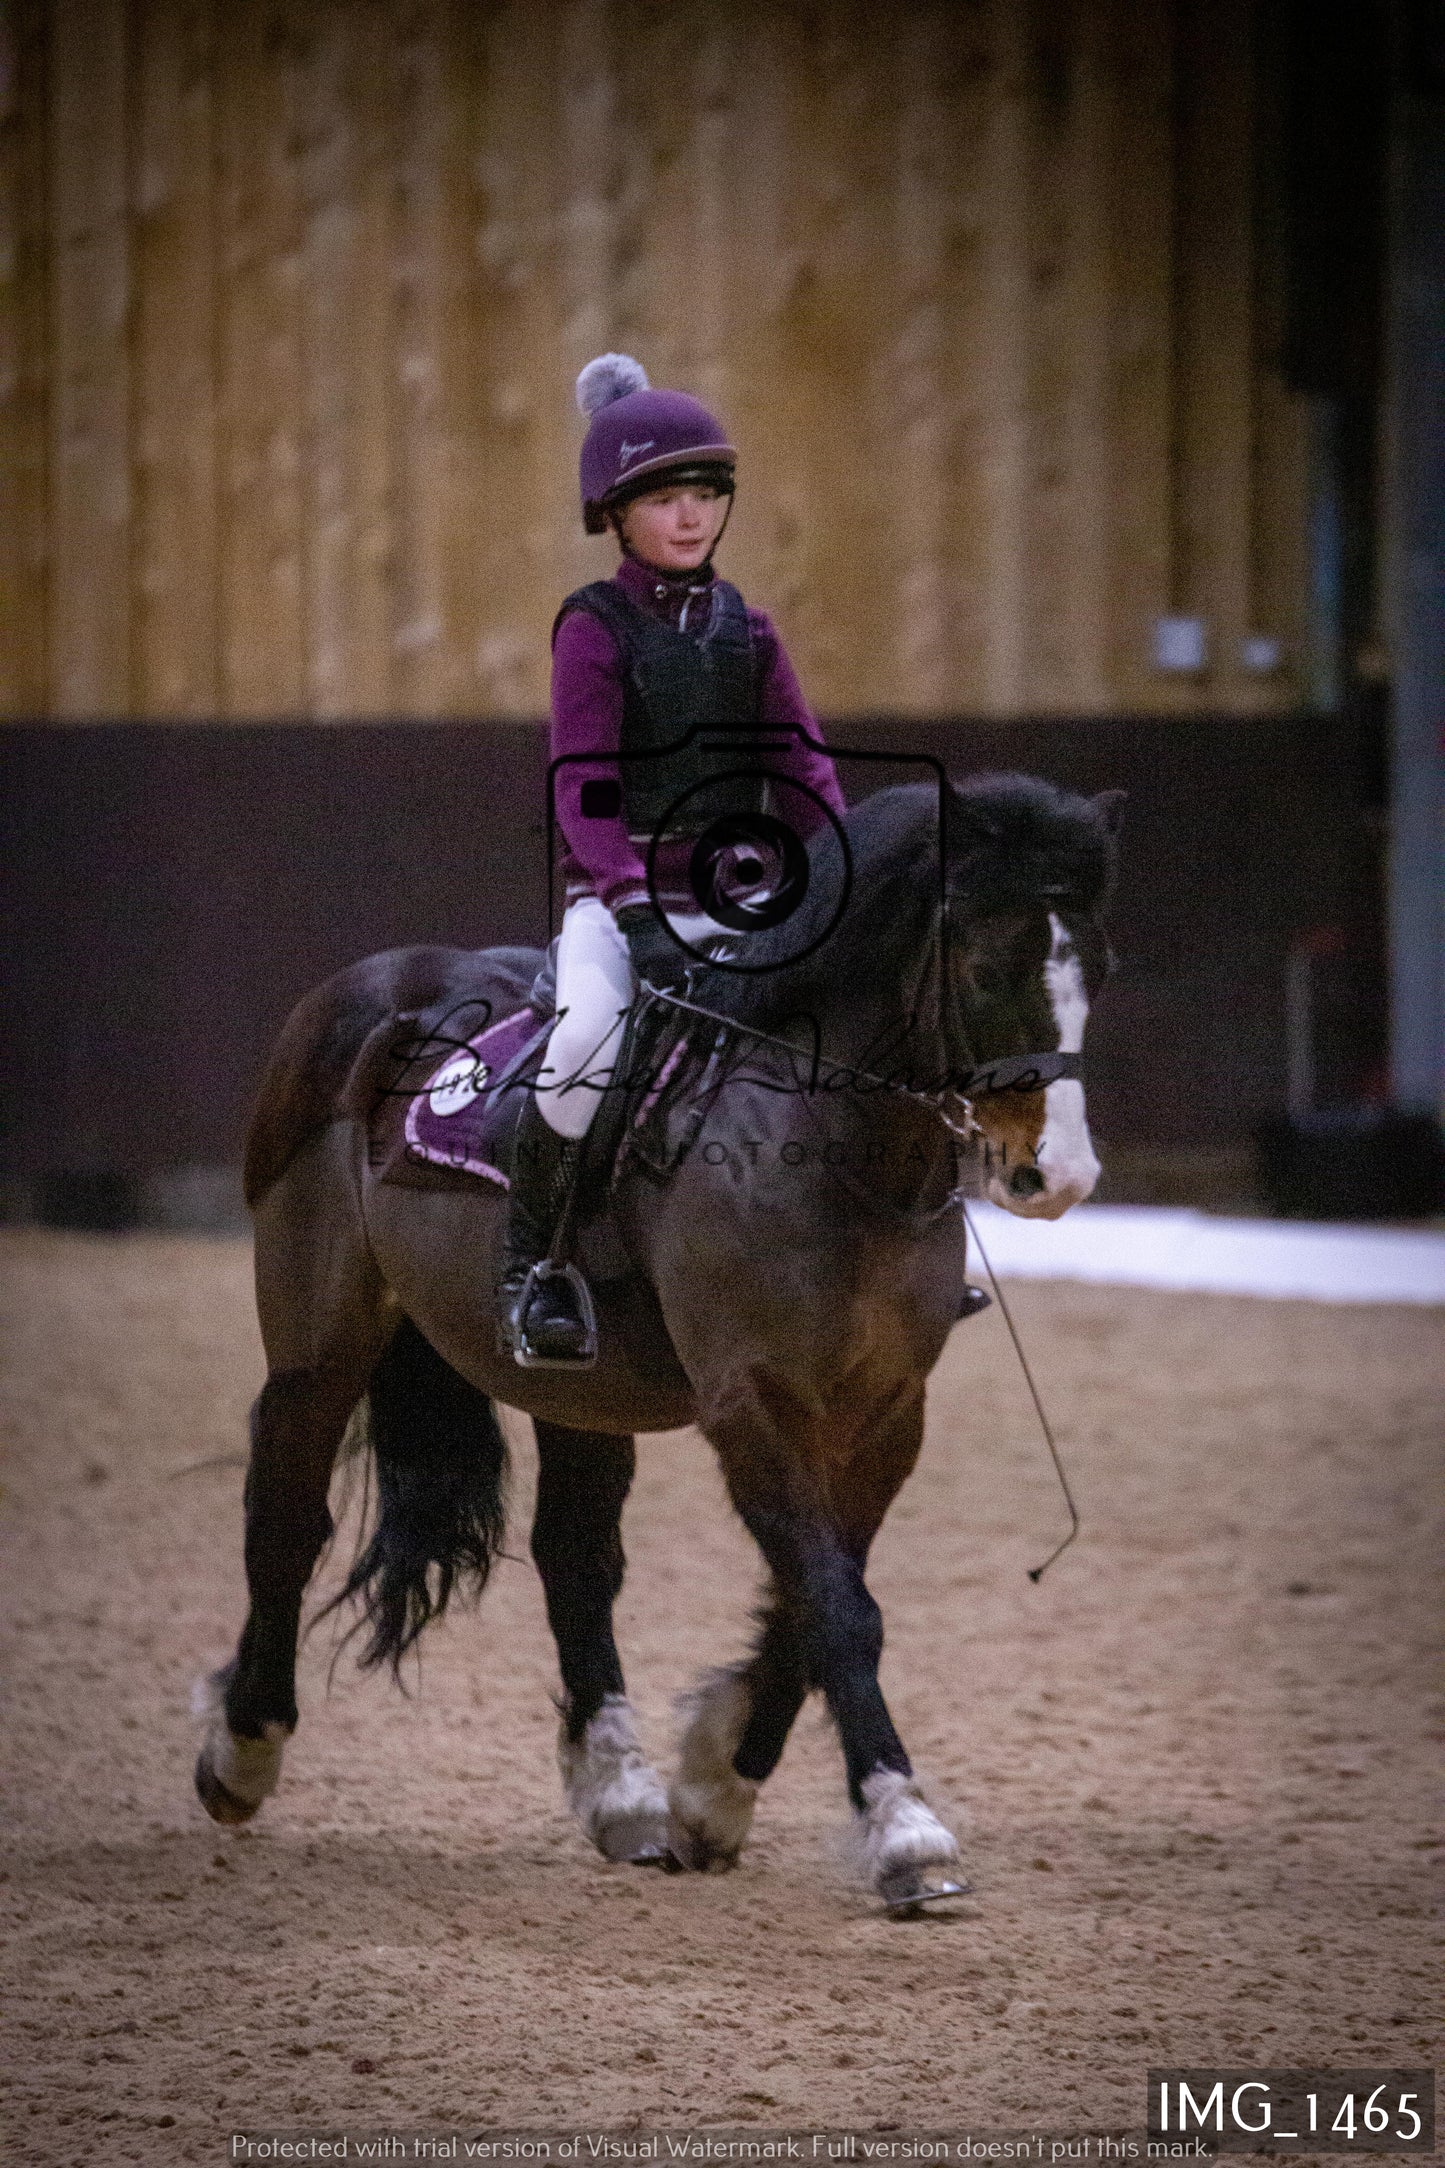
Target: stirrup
{"x":536,"y":1279}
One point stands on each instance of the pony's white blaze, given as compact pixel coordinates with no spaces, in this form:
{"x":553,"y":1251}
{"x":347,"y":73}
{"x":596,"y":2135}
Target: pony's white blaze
{"x":1066,"y":1157}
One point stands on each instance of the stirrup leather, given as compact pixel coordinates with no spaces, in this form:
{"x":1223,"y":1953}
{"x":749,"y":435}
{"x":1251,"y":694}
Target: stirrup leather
{"x":540,"y":1273}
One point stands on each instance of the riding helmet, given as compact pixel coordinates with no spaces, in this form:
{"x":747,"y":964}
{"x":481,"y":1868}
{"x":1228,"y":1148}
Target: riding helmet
{"x":638,"y":434}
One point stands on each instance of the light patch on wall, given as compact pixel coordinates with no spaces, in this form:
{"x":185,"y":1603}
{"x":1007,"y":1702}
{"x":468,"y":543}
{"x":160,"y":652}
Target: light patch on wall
{"x":1180,"y":643}
{"x":505,"y":663}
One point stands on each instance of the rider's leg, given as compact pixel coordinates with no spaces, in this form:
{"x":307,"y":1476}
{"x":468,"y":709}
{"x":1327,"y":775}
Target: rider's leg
{"x":544,"y":1167}
{"x":594,"y":990}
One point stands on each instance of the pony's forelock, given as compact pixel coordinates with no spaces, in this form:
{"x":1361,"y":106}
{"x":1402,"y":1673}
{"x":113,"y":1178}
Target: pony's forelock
{"x":1017,"y":841}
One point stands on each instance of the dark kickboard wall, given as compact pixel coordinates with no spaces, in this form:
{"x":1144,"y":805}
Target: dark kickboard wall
{"x":170,"y":890}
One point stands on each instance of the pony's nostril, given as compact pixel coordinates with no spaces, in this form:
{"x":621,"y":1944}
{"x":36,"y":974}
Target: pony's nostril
{"x":1025,"y":1182}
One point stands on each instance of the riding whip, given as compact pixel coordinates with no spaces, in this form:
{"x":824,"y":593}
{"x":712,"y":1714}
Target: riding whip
{"x":1035,"y":1573}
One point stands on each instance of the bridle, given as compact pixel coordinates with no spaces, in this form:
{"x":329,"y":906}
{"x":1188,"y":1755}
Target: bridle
{"x":951,"y":1101}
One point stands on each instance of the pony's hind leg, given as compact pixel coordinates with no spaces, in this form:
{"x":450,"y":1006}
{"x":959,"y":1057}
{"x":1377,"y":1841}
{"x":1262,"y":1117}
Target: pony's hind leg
{"x":296,"y":1426}
{"x":583,"y":1478}
{"x":738,"y":1724}
{"x":325,"y":1320}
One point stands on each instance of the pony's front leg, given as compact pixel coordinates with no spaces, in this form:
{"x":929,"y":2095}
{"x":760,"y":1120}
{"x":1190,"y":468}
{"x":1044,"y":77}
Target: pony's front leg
{"x":824,"y":1630}
{"x":583,"y":1477}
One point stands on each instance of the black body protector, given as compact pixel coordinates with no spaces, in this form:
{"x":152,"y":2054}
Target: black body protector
{"x":682,"y":692}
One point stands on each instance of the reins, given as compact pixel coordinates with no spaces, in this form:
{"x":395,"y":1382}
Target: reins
{"x":960,"y":1131}
{"x":1012,"y":1072}
{"x":1040,"y":1069}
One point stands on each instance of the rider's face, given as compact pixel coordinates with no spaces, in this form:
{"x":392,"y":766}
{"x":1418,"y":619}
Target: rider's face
{"x":674,"y":527}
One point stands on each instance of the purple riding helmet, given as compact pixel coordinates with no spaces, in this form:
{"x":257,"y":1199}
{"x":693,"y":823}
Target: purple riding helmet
{"x":637,"y":434}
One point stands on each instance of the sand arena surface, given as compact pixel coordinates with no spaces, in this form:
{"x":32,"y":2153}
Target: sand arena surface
{"x":1193,"y":1767}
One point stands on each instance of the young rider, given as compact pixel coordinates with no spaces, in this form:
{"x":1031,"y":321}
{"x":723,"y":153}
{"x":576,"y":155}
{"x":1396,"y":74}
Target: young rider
{"x":663,"y":649}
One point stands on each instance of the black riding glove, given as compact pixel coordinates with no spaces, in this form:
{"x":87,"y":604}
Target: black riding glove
{"x":654,"y":955}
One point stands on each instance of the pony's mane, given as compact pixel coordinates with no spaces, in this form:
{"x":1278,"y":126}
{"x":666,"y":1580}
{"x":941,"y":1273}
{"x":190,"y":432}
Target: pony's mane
{"x":1012,"y":841}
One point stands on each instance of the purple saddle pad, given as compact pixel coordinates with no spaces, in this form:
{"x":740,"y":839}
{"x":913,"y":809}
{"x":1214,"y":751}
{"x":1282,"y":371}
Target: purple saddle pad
{"x":459,"y":1119}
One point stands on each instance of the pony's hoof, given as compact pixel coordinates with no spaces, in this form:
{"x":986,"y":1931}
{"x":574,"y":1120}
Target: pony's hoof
{"x":611,"y":1787}
{"x":710,"y":1805}
{"x":906,"y":1890}
{"x":221,"y":1805}
{"x":908,"y":1856}
{"x":693,"y":1851}
{"x":634,"y":1840}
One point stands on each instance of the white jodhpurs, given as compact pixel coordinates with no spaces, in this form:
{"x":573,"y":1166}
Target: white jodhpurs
{"x":595,"y":986}
{"x":595,"y":989}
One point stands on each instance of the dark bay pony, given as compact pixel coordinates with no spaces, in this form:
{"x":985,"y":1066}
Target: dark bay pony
{"x":788,"y":1289}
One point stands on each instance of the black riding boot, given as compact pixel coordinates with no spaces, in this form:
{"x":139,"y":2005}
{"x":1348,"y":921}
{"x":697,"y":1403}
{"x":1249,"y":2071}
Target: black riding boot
{"x":559,"y":1327}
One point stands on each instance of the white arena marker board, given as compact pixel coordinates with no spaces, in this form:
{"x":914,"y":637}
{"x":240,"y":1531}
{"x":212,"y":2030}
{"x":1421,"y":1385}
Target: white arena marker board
{"x":1140,"y":1246}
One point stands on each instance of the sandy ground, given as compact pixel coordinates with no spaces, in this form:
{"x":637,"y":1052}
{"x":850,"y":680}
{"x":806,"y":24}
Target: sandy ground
{"x":1194,"y":1766}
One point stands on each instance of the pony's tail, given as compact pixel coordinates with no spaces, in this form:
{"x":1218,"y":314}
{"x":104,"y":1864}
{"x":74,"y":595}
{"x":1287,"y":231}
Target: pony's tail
{"x":441,"y":1465}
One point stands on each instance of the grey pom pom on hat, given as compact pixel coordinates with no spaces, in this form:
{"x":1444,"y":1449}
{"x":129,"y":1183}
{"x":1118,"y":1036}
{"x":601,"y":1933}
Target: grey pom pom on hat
{"x":609,"y":377}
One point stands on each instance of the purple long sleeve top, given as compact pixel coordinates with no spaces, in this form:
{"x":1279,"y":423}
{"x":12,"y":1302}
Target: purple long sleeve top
{"x":599,"y":856}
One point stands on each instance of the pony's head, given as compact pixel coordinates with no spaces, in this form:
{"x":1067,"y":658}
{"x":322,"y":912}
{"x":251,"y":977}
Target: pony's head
{"x":1028,"y":869}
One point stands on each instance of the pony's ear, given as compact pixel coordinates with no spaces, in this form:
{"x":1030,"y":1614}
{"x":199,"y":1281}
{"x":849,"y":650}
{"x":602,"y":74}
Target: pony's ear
{"x":1110,"y":807}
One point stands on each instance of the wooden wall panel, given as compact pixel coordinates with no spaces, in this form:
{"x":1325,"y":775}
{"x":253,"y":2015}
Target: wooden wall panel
{"x":176,"y":568}
{"x":24,"y":332}
{"x":1139,"y":45}
{"x":770,"y":399}
{"x":340,"y":99}
{"x":1087,"y":149}
{"x":260,"y":392}
{"x":1214,"y":344}
{"x":89,"y":590}
{"x":966,"y":364}
{"x":1053,"y":98}
{"x":295,"y":291}
{"x":1007,"y":324}
{"x":520,"y":535}
{"x":431,"y":377}
{"x":913,"y":360}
